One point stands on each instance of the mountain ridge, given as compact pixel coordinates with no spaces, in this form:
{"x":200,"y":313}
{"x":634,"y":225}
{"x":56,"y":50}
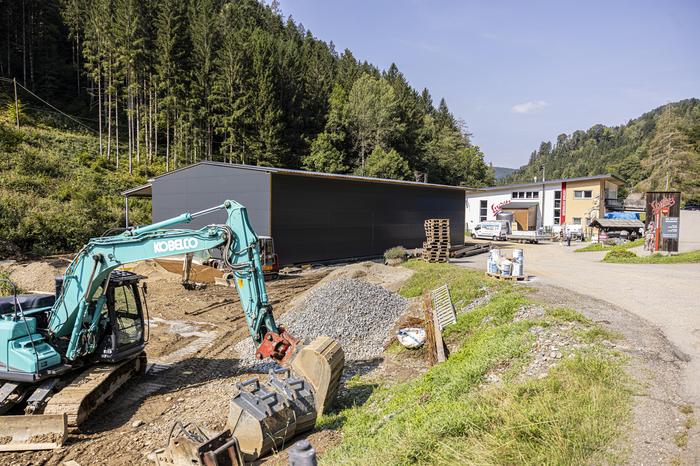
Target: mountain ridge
{"x":659,"y":150}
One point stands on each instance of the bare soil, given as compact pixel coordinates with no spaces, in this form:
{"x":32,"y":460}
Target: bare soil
{"x":193,"y":366}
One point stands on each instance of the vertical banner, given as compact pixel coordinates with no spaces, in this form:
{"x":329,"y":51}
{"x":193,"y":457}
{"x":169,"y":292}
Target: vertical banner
{"x":562,"y":212}
{"x":662,"y":221}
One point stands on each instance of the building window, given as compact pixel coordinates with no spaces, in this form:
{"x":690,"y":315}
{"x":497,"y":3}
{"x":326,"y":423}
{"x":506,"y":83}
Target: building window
{"x":536,"y":195}
{"x":515,"y":195}
{"x":557,"y":207}
{"x":577,"y":221}
{"x":529,"y":194}
{"x":587,"y":194}
{"x":483,"y":211}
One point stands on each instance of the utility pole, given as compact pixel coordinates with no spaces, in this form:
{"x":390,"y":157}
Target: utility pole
{"x":14,"y":85}
{"x":543,"y":178}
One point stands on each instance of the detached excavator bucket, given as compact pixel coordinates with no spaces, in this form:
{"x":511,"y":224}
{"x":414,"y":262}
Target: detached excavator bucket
{"x":189,"y":445}
{"x":265,"y":415}
{"x":321,"y":364}
{"x":32,"y":432}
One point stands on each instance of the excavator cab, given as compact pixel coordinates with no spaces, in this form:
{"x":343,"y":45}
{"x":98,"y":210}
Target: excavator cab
{"x":125,"y":322}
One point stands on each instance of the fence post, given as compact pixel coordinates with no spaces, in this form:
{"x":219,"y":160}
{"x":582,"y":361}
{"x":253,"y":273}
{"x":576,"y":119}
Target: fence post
{"x":14,"y":84}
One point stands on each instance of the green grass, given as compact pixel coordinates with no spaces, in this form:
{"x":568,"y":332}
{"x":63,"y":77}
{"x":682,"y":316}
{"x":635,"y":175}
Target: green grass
{"x":465,"y":285}
{"x":449,"y":416}
{"x":630,"y":258}
{"x":619,"y":247}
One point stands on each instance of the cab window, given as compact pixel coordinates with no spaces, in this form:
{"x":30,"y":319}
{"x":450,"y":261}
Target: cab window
{"x":129,"y":328}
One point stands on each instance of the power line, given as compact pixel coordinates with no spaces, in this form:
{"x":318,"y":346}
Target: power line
{"x":74,"y":119}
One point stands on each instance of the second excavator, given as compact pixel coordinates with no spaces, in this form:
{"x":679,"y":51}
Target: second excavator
{"x":63,"y":354}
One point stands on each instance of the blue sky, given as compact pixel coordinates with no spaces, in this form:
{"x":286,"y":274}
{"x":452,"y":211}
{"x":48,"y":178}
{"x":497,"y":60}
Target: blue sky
{"x":520,"y":72}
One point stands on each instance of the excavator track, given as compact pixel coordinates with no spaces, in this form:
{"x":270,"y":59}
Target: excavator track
{"x":92,"y":388}
{"x":68,"y":408}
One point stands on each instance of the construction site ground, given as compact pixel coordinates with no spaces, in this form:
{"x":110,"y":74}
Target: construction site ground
{"x":193,"y":362}
{"x":192,"y":349}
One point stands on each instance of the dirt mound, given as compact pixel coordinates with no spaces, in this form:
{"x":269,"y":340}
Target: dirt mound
{"x":154,"y":271}
{"x":35,"y":276}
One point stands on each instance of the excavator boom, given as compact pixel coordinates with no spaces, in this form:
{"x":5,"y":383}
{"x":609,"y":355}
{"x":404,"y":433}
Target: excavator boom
{"x":76,"y":322}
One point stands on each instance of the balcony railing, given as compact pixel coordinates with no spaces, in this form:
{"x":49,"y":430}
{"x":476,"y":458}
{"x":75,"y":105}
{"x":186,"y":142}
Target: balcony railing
{"x":626,"y":205}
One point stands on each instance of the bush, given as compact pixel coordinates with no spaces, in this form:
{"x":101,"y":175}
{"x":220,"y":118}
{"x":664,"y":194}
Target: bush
{"x":617,"y":254}
{"x":397,"y":252}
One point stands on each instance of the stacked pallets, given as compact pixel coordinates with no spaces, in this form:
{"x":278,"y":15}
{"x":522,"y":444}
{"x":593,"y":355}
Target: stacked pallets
{"x":436,"y":247}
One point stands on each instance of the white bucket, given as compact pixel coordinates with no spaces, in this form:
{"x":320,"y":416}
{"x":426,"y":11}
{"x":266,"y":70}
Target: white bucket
{"x":517,"y":269}
{"x":495,"y":255}
{"x":518,"y":255}
{"x":506,"y":267}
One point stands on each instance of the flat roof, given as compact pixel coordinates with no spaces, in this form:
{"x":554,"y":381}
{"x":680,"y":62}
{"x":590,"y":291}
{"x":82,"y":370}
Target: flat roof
{"x":141,"y":190}
{"x":607,"y":177}
{"x":616,"y":223}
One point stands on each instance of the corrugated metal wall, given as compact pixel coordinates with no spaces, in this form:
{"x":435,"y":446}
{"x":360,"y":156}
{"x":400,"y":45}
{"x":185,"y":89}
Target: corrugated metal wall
{"x":317,"y":218}
{"x":201,"y":186}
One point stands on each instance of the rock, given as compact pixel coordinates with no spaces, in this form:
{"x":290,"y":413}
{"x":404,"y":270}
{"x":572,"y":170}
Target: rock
{"x":137,"y":423}
{"x":168,"y":398}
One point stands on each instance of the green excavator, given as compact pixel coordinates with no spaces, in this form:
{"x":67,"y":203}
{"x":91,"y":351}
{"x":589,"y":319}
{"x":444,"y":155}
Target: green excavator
{"x":64,"y":354}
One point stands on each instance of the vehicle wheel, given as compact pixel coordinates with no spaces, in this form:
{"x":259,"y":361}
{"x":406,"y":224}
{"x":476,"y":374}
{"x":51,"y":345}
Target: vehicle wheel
{"x":473,"y":236}
{"x":494,"y":238}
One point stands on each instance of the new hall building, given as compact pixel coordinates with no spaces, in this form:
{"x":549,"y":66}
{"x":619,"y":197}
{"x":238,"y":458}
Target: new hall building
{"x":546,"y":204}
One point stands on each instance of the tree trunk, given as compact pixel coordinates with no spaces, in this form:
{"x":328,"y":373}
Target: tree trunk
{"x":99,"y":105}
{"x":167,"y":142}
{"x":129,"y":117}
{"x":137,"y":129}
{"x":155,"y":126}
{"x":116,"y":123}
{"x":109,"y":111}
{"x":24,"y":46}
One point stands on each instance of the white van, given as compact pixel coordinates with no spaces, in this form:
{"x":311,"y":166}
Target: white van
{"x":495,"y":230}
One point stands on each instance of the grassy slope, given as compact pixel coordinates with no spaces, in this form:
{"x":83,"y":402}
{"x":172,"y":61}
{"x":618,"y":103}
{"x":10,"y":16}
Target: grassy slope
{"x":629,"y":257}
{"x":449,"y":416}
{"x":56,"y":192}
{"x":619,"y":247}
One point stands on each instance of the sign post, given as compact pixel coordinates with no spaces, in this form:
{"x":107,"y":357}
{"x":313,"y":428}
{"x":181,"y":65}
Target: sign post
{"x":663,"y":219}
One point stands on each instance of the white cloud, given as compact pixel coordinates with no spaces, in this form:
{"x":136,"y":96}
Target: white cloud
{"x":531,"y":106}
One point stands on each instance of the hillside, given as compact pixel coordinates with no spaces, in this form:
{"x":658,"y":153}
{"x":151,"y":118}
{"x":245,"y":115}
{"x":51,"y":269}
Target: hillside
{"x":660,"y":146}
{"x":502,"y":172}
{"x":54,"y":193}
{"x":179,"y":81}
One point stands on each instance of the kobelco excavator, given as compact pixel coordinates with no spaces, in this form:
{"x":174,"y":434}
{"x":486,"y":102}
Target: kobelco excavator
{"x":63,"y":354}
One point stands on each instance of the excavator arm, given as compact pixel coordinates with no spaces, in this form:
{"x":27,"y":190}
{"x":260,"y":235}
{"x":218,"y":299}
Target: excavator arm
{"x":75,"y":316}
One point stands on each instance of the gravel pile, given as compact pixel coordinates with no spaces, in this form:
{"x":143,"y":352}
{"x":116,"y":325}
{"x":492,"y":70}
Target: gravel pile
{"x":358,"y":314}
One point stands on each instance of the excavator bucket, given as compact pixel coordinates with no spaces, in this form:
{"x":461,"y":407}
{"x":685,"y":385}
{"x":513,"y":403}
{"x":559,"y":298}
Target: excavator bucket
{"x":266,"y":415}
{"x":321,"y":364}
{"x":32,"y":432}
{"x":189,"y":445}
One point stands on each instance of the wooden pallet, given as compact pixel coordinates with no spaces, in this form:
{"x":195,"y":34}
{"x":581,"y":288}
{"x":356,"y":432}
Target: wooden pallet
{"x":513,"y":278}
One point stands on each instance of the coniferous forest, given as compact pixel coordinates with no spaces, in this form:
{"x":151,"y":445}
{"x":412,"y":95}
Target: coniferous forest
{"x":168,"y":83}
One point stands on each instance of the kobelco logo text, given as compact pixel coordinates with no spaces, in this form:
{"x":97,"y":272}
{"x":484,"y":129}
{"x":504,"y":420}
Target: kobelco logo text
{"x":179,"y":244}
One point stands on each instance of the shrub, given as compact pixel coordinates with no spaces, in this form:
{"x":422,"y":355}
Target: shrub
{"x":619,"y":254}
{"x":397,"y":252}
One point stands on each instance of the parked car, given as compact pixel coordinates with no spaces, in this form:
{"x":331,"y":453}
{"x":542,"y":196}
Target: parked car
{"x":494,"y":230}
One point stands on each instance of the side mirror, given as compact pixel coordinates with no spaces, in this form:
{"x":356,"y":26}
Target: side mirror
{"x":144,"y":288}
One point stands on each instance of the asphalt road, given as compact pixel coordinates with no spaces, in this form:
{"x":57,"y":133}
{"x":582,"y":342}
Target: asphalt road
{"x":666,"y":295}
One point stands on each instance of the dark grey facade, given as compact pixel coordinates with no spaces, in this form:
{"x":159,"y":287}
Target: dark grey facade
{"x":313,"y":216}
{"x":204,"y":185}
